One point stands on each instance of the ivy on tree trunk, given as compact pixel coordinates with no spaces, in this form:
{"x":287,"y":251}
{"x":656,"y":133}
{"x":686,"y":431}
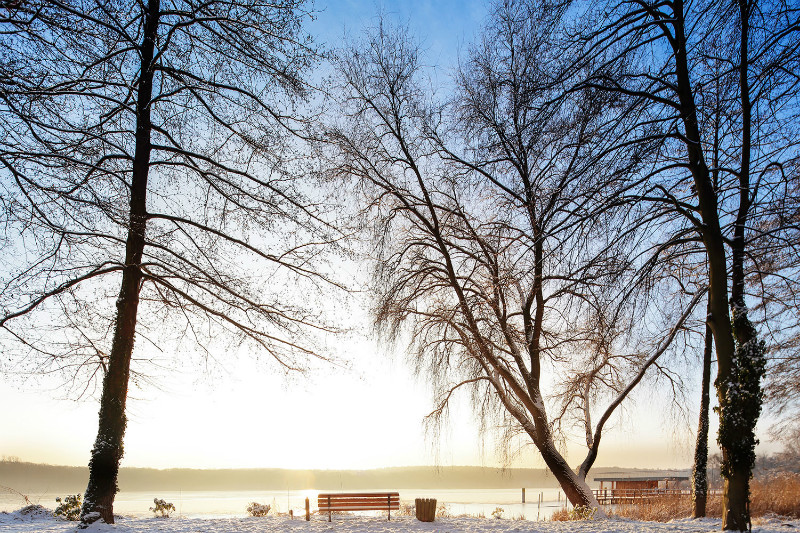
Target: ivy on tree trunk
{"x":700,"y":474}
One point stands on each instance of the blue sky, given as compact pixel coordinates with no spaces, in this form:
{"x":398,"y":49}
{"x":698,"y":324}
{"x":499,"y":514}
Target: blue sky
{"x":250,"y":417}
{"x":443,"y":28}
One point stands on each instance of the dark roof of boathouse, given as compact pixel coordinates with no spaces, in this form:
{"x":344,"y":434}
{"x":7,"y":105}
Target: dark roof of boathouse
{"x":671,"y":475}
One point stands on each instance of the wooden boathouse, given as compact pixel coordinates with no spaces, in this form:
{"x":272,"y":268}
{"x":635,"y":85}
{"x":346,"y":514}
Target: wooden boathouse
{"x":635,"y":487}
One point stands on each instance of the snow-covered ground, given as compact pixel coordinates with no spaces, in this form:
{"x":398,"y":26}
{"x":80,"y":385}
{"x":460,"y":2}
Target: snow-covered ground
{"x":18,"y":522}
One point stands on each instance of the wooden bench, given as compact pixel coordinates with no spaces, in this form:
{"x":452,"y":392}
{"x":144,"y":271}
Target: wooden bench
{"x":358,"y":501}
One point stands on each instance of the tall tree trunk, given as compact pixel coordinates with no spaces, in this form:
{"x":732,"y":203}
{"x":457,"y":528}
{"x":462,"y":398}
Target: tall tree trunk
{"x":575,"y":488}
{"x":108,"y":448}
{"x":733,"y":428}
{"x":700,"y":471}
{"x":742,"y":398}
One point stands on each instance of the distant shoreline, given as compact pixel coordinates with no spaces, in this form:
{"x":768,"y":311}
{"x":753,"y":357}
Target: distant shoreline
{"x":35,"y":477}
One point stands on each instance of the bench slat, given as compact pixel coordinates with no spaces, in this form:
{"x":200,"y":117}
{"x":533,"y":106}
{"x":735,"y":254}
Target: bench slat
{"x":361,"y":504}
{"x":360,"y":508}
{"x":357,"y":504}
{"x":325,"y":505}
{"x":334,"y":495}
{"x":334,"y":500}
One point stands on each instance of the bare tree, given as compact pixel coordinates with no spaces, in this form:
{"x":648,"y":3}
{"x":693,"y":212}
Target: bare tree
{"x":659,"y":54}
{"x":490,"y":248}
{"x":144,"y":153}
{"x":548,"y":157}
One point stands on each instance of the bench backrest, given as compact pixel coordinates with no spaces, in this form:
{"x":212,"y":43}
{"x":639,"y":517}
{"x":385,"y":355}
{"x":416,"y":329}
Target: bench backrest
{"x":359,"y":501}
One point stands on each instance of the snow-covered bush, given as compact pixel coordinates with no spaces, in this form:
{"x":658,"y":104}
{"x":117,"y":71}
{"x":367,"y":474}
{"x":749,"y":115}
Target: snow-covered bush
{"x":33,"y":512}
{"x":498,"y":512}
{"x":69,"y":508}
{"x":162,"y":508}
{"x":257,"y":509}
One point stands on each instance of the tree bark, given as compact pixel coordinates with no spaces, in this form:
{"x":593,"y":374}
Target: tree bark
{"x":736,"y":489}
{"x":576,"y":489}
{"x":700,"y":472}
{"x":108,"y":448}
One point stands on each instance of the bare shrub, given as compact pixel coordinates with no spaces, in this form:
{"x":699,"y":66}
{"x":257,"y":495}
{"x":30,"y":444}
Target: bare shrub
{"x":15,"y":492}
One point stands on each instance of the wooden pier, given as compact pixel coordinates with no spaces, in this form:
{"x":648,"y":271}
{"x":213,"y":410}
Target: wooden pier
{"x":634,"y":496}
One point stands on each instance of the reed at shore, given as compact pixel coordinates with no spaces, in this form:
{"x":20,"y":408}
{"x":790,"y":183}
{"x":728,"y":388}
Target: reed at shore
{"x":774,"y":495}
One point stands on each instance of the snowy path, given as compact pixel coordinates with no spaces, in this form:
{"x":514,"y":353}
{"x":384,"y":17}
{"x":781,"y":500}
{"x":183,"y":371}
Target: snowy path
{"x":14,"y":522}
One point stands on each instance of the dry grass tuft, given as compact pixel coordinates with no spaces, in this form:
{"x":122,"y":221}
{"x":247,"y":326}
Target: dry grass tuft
{"x":560,"y":515}
{"x":776,"y":495}
{"x":406,"y":509}
{"x":15,"y":492}
{"x":660,"y":509}
{"x":578,"y":513}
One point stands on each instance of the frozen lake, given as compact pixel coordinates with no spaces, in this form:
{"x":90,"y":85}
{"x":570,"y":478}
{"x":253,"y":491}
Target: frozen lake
{"x":231,"y":504}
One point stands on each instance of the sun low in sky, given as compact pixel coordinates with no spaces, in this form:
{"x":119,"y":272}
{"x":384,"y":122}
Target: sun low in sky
{"x":370,"y":416}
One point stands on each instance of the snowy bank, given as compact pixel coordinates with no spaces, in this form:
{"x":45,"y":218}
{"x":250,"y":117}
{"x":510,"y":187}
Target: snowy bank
{"x":39,"y":523}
